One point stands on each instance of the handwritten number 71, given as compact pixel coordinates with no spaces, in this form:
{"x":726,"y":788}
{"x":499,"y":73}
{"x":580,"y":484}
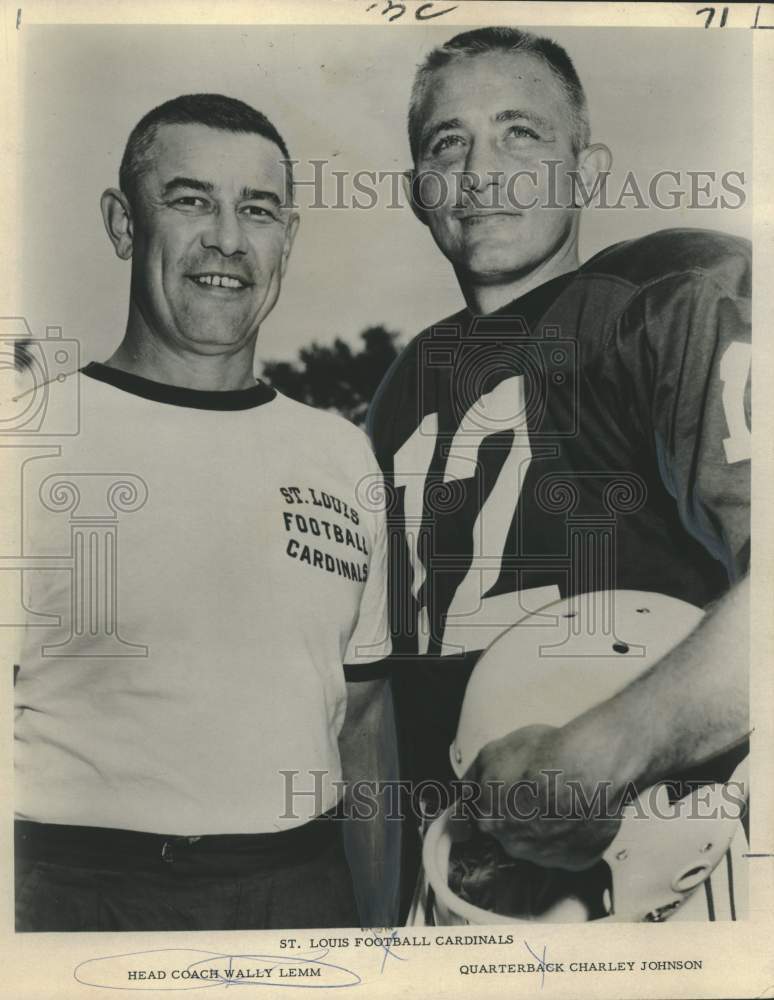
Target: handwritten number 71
{"x":710,"y":12}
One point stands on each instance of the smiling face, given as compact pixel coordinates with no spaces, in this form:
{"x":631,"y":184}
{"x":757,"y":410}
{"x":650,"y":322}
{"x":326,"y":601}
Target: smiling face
{"x":495,"y":116}
{"x":210,"y":239}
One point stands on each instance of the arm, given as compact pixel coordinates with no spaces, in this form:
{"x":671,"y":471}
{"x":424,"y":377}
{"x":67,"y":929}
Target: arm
{"x":368,"y":741}
{"x":680,"y":357}
{"x":689,"y":707}
{"x":368,"y":750}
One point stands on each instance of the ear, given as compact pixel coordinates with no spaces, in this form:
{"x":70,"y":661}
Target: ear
{"x":117,"y":216}
{"x":593,"y":161}
{"x":291,"y":229}
{"x":411,"y":190}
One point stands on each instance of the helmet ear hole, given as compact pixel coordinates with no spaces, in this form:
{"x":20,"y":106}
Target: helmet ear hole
{"x":690,"y":878}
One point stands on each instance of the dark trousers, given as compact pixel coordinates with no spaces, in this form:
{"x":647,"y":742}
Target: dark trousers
{"x":74,"y":878}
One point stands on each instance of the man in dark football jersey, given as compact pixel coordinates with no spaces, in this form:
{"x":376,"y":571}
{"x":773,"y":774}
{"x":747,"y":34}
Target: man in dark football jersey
{"x":575,"y":428}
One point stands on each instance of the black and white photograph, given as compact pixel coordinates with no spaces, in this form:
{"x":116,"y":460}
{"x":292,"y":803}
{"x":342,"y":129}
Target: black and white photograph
{"x":384,"y":559}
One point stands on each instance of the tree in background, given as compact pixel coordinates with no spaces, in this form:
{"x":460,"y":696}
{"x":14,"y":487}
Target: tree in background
{"x":334,"y":377}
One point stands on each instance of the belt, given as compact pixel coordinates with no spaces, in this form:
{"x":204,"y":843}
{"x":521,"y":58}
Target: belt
{"x":131,"y":850}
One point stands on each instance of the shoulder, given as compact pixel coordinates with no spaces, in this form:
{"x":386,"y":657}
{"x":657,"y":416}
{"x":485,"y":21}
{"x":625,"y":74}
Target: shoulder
{"x":402,"y":375}
{"x":655,"y":292}
{"x":321,"y":426}
{"x":323,"y":422}
{"x":689,"y":298}
{"x":411,"y":355}
{"x":672,"y":253}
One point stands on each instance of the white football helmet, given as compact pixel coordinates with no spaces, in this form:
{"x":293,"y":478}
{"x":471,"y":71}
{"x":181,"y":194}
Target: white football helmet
{"x":549,"y":668}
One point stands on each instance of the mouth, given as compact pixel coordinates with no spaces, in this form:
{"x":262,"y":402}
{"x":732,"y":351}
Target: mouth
{"x":216,"y":279}
{"x":476,"y":218}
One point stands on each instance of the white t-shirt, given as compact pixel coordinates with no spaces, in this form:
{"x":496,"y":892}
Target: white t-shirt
{"x":208,"y":562}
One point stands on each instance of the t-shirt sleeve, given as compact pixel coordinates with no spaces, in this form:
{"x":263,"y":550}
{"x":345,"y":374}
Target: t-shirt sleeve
{"x":370,"y":640}
{"x":685,"y":342}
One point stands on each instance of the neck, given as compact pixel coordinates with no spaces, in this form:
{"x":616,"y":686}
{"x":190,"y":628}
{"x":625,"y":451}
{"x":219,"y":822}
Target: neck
{"x":482,"y":299}
{"x":140,"y":353}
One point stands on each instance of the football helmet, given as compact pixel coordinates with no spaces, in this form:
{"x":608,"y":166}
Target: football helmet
{"x":547,"y":669}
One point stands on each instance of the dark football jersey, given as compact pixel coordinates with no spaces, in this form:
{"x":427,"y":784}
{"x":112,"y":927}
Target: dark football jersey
{"x":591,"y":435}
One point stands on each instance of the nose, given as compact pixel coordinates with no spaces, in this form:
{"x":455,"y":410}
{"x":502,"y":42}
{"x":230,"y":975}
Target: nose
{"x":482,"y":166}
{"x":224,"y":233}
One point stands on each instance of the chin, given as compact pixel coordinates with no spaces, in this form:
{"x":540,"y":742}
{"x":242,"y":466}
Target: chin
{"x":216,"y":341}
{"x":503,"y":253}
{"x":490,"y":269}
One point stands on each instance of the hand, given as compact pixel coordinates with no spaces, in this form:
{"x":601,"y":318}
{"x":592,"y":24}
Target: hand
{"x":544,"y":821}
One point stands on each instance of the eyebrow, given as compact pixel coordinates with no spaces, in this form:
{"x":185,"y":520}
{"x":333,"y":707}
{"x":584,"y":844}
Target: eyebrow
{"x":189,"y":182}
{"x":431,"y":132}
{"x":514,"y":114}
{"x":255,"y":194}
{"x":207,"y":187}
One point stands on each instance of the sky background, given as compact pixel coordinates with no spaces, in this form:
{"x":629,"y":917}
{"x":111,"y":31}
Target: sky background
{"x":660,"y":98}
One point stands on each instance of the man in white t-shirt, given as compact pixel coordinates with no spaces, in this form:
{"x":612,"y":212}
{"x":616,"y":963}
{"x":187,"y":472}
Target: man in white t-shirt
{"x":211,"y":555}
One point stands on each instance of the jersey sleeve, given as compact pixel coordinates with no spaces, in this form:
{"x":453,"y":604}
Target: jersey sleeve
{"x":370,"y":640}
{"x":685,"y":344}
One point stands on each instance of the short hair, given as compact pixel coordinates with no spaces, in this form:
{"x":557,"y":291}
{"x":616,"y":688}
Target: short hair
{"x":213,"y":110}
{"x":484,"y":40}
